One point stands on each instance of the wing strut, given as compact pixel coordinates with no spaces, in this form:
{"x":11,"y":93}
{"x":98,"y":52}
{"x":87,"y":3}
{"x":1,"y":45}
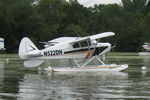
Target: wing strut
{"x":89,"y":60}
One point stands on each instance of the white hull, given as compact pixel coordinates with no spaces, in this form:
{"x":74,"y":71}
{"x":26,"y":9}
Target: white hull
{"x":144,"y":53}
{"x":113,"y":67}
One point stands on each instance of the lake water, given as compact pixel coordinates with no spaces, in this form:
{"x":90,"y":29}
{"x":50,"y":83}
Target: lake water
{"x":20,"y":83}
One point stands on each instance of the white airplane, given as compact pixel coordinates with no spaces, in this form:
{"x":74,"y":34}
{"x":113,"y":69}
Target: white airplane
{"x":65,"y":48}
{"x":2,"y":44}
{"x":146,"y":46}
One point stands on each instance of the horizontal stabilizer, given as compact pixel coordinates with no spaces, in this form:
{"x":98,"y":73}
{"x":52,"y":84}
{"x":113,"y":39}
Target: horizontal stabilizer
{"x":33,"y":63}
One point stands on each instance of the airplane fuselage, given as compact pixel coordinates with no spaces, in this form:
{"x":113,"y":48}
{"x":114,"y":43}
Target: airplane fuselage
{"x":66,"y":47}
{"x":65,"y":50}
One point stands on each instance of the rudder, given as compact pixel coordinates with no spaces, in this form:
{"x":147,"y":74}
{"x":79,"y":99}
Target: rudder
{"x":27,"y":48}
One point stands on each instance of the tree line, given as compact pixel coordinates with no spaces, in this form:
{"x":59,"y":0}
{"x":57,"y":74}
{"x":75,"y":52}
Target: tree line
{"x":43,"y":20}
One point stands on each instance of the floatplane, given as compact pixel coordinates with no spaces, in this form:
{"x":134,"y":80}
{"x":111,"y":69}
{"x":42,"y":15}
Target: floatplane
{"x":146,"y":46}
{"x":87,"y":48}
{"x":2,"y":44}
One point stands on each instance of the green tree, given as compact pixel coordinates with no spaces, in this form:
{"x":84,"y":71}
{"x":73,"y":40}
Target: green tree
{"x":73,"y":30}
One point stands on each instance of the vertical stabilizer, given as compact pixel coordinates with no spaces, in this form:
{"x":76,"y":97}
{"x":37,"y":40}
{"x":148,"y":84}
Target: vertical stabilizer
{"x":27,"y":49}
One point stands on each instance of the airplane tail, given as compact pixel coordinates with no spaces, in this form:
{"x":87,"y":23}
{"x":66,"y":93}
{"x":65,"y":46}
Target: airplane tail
{"x":28,"y":50}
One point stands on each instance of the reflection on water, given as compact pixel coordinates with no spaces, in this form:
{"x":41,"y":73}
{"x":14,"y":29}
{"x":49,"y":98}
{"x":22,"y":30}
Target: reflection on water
{"x":70,"y":86}
{"x":18,"y":82}
{"x":1,"y":73}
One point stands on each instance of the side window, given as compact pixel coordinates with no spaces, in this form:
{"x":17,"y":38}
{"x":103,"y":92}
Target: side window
{"x":76,"y":45}
{"x":84,"y":44}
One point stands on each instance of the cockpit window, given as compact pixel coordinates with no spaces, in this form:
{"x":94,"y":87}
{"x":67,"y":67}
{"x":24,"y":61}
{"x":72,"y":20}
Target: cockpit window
{"x":76,"y":45}
{"x":82,"y":44}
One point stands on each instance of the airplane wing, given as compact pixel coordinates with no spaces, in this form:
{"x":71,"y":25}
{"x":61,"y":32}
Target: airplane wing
{"x":94,"y":37}
{"x":147,"y":43}
{"x":101,"y":35}
{"x":80,"y":40}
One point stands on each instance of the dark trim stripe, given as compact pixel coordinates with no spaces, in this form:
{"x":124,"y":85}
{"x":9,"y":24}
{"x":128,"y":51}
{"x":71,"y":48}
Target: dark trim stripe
{"x":97,"y":51}
{"x":79,"y":50}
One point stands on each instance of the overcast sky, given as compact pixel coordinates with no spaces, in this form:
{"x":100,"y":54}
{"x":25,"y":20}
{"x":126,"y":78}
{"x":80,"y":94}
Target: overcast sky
{"x":88,"y":3}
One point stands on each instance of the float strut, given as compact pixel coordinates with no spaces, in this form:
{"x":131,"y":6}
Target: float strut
{"x":100,"y":60}
{"x":88,"y":61}
{"x":77,"y":63}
